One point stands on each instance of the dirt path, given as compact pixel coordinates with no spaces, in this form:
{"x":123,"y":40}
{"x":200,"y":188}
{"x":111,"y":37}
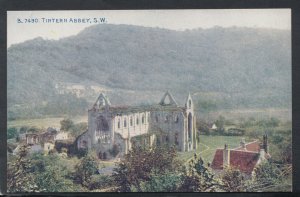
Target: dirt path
{"x":206,"y":149}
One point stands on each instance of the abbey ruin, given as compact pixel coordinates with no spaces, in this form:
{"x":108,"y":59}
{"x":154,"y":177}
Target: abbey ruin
{"x":115,"y":127}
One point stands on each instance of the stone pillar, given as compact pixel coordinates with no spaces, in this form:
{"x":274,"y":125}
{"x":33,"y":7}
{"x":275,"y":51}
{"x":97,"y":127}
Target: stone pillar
{"x":183,"y":140}
{"x":195,"y":128}
{"x":112,"y":130}
{"x":226,"y":156}
{"x":129,"y":143}
{"x":265,"y":143}
{"x":126,"y":146}
{"x":262,"y":153}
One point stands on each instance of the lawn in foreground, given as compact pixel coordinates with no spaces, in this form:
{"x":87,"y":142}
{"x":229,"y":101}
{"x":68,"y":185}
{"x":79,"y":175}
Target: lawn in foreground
{"x":208,"y":144}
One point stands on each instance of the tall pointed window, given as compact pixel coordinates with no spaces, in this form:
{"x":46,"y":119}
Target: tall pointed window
{"x":125,"y":122}
{"x":119,"y":123}
{"x":166,"y":118}
{"x":143,"y":119}
{"x":176,"y":120}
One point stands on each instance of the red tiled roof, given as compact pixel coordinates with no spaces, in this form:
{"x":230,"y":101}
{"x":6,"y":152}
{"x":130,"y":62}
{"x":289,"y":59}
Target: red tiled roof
{"x":242,"y":160}
{"x":217,"y":162}
{"x":252,"y":146}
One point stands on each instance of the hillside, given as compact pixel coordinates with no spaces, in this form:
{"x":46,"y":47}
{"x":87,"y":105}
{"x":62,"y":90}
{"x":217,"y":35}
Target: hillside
{"x":233,"y":67}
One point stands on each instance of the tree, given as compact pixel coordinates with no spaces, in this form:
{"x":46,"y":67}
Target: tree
{"x":87,"y":167}
{"x":233,"y":180}
{"x":115,"y":150}
{"x":202,"y":126}
{"x":11,"y":133}
{"x":77,"y":129}
{"x":23,"y":129}
{"x":274,"y":122}
{"x":140,"y":164}
{"x":52,"y":180}
{"x":198,"y":178}
{"x":74,"y":129}
{"x":206,"y":106}
{"x":100,"y":181}
{"x":51,"y":174}
{"x":19,"y":178}
{"x":166,"y":182}
{"x":267,"y":174}
{"x":66,"y":124}
{"x":220,"y":123}
{"x":33,"y":130}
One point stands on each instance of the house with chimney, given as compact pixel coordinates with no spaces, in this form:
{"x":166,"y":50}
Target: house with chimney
{"x":245,"y":157}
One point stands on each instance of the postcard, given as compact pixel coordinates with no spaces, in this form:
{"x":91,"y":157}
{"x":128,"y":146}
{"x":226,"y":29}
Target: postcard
{"x":186,"y":100}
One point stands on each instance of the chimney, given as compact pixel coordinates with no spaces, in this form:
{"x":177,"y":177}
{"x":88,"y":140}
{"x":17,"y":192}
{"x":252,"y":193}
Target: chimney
{"x":243,"y":144}
{"x":265,"y":143}
{"x":262,"y":152}
{"x":226,"y":156}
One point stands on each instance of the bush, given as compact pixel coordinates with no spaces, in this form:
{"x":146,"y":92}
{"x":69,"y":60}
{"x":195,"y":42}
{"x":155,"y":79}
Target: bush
{"x":12,"y":132}
{"x":142,"y":163}
{"x":166,"y":182}
{"x":234,"y":132}
{"x":87,"y":167}
{"x":115,"y":150}
{"x":99,"y":181}
{"x":265,"y":175}
{"x":82,"y":152}
{"x":233,"y":180}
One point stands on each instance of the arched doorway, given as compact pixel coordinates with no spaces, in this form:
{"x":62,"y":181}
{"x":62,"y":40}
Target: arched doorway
{"x":104,"y":156}
{"x":100,"y":155}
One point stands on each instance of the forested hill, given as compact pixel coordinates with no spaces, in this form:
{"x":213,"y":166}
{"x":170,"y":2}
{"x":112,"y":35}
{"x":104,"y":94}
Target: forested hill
{"x":244,"y":66}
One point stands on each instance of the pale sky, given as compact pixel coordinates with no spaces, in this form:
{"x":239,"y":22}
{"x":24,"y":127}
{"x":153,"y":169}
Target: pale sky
{"x":169,"y":19}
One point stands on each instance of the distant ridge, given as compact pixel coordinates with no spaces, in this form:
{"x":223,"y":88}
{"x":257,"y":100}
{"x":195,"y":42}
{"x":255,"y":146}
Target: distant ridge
{"x":245,"y":67}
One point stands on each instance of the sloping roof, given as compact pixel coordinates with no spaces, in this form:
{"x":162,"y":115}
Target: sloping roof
{"x":252,"y":146}
{"x":217,"y":162}
{"x":245,"y":161}
{"x":162,"y":106}
{"x":170,"y":98}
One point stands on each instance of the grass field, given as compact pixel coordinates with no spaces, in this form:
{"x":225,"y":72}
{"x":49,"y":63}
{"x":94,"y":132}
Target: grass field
{"x":44,"y":122}
{"x":208,"y":145}
{"x":284,"y":114}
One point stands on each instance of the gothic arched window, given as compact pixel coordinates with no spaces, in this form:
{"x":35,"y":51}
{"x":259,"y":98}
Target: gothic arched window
{"x":102,"y":124}
{"x":176,"y":139}
{"x":119,"y":123}
{"x":131,"y":122}
{"x":125,"y":122}
{"x":176,"y":120}
{"x":166,"y":118}
{"x":143,"y":119}
{"x":137,"y":120}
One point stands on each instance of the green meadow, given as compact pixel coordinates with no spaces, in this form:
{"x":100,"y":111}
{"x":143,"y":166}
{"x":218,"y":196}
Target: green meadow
{"x":208,"y":144}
